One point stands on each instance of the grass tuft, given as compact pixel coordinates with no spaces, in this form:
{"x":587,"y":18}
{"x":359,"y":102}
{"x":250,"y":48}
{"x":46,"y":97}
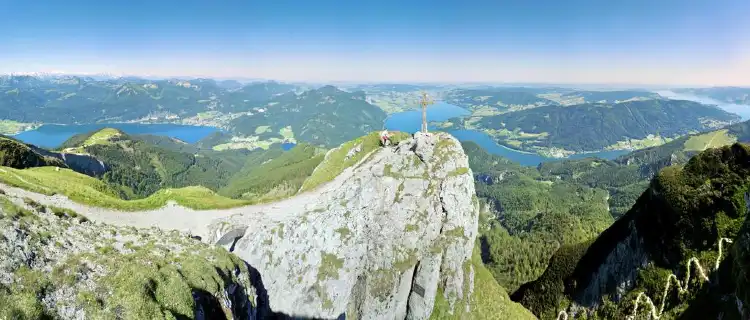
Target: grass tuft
{"x":90,"y":191}
{"x":336,"y":161}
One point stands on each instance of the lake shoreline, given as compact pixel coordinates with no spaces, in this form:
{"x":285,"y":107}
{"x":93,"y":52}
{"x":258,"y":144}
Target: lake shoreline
{"x":51,"y":136}
{"x":410,"y":122}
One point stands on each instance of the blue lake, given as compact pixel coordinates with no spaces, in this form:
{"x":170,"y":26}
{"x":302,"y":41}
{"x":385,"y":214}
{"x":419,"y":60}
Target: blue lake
{"x":410,"y":121}
{"x":52,"y":136}
{"x":738,"y":109}
{"x":286,"y":146}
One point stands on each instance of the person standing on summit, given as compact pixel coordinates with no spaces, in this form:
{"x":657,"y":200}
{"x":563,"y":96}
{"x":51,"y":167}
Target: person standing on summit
{"x":385,"y":137}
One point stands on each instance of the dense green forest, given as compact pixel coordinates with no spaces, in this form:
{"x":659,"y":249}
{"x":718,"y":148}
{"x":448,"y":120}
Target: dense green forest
{"x":535,"y":213}
{"x":537,"y":210}
{"x":684,"y":213}
{"x":274,"y":175}
{"x":140,"y":165}
{"x":494,"y":97}
{"x":324,"y":117}
{"x":590,"y":126}
{"x":141,"y":168}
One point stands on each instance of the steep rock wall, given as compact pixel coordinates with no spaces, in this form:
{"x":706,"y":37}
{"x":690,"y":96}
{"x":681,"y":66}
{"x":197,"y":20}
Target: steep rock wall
{"x":380,"y":244}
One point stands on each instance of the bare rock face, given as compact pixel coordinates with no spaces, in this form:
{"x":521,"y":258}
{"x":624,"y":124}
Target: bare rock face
{"x":384,"y":238}
{"x":58,"y":265}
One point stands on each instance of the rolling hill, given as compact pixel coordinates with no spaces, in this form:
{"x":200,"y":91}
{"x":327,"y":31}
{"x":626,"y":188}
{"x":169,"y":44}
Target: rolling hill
{"x":141,"y":165}
{"x":324,"y":117}
{"x":592,"y":127}
{"x":495,"y":98}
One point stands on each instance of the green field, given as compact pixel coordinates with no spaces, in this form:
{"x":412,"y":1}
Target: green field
{"x":256,"y":142}
{"x":12,"y":127}
{"x":712,"y":139}
{"x":90,"y":191}
{"x":335,"y":162}
{"x":635,"y":144}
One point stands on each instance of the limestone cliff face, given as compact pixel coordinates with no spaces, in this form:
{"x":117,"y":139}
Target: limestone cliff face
{"x":685,"y":213}
{"x":383,"y":239}
{"x":81,"y":163}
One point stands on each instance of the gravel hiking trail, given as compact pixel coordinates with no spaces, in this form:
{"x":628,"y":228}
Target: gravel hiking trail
{"x":175,"y":217}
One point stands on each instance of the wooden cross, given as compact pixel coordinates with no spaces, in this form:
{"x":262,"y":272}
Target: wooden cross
{"x":425,"y":101}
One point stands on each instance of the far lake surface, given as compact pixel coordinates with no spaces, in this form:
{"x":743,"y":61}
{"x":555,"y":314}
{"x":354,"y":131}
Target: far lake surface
{"x":741,"y":110}
{"x":411,"y":121}
{"x":52,"y":136}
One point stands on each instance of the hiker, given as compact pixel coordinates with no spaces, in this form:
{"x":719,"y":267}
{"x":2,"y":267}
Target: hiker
{"x":385,"y":137}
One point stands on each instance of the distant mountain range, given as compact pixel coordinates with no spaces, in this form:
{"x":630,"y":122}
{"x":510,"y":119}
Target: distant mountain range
{"x":594,"y":126}
{"x":71,"y":99}
{"x":325,"y":116}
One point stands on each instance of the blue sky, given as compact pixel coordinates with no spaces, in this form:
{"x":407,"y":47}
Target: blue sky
{"x":580,"y":41}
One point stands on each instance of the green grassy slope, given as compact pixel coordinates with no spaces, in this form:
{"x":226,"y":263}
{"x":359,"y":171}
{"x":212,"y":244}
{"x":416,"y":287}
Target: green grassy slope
{"x":336,"y":161}
{"x":323,"y":117}
{"x":90,"y":191}
{"x":266,"y":176}
{"x":279,"y":177}
{"x":141,"y":165}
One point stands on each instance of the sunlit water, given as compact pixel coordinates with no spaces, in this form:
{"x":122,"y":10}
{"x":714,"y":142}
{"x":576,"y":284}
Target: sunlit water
{"x":52,"y":136}
{"x":410,"y":121}
{"x":738,"y":109}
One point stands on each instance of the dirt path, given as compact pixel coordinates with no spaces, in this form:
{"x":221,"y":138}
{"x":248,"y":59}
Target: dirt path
{"x":173,"y":216}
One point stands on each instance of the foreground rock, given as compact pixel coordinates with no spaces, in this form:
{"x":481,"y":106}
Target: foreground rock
{"x":391,"y":235}
{"x":58,"y":265}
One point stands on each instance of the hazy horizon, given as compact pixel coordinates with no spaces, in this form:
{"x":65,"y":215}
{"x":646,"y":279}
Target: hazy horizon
{"x":582,"y":42}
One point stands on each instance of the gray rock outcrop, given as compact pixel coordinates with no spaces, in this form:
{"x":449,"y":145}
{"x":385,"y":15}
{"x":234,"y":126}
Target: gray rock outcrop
{"x":58,"y":265}
{"x":81,"y":163}
{"x":380,"y":242}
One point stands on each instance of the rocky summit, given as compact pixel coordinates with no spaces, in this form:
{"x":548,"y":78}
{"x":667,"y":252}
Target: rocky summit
{"x":389,"y":237}
{"x":381,"y":242}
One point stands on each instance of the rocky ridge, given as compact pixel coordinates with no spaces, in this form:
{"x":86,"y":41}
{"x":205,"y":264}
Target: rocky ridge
{"x":59,"y":265}
{"x":384,"y":244}
{"x":390,"y":237}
